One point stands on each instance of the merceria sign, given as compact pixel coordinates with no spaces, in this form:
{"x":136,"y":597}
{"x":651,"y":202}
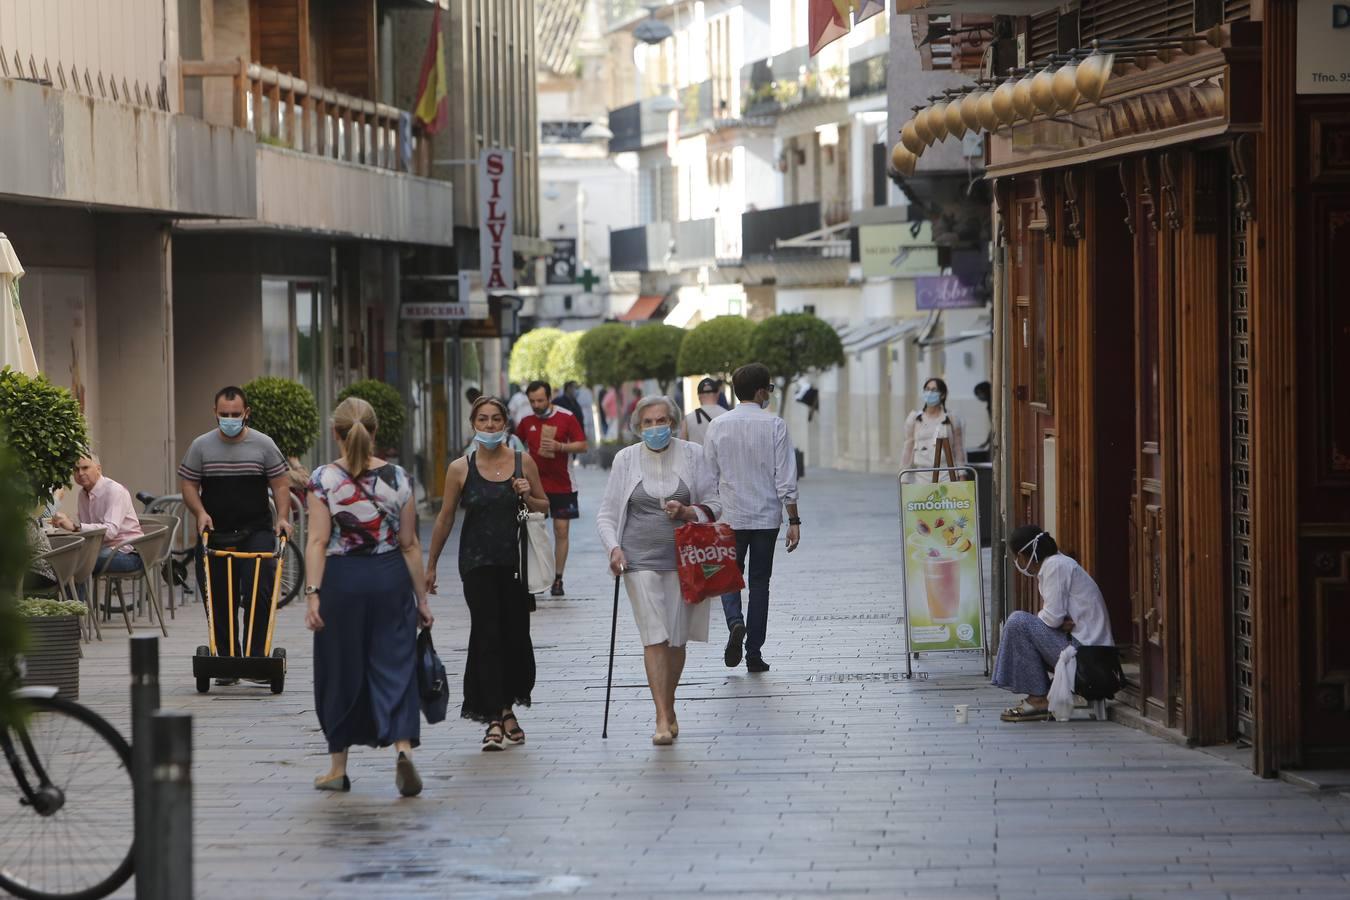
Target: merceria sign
{"x":496,"y":217}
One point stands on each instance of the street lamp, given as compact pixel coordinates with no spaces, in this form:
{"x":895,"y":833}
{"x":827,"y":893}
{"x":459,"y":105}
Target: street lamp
{"x":598,"y":132}
{"x":652,"y":30}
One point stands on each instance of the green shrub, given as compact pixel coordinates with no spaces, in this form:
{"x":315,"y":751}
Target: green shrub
{"x":653,"y":351}
{"x":15,"y":555}
{"x":529,"y":356}
{"x":46,"y":430}
{"x":564,"y":360}
{"x":717,"y":347}
{"x":389,"y":409}
{"x":601,"y":358}
{"x":42,"y":607}
{"x":285,"y":411}
{"x":793,"y":344}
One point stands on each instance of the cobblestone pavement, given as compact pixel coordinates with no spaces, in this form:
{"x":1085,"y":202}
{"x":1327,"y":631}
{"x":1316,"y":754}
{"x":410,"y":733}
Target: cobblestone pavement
{"x":828,"y":775}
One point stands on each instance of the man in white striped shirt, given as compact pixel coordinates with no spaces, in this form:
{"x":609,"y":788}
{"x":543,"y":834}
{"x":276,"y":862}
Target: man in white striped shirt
{"x":752,"y":457}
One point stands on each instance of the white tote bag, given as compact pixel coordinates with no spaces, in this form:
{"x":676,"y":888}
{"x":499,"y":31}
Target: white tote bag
{"x":537,"y":566}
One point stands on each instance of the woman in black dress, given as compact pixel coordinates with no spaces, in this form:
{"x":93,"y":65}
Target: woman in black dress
{"x":499,"y":672}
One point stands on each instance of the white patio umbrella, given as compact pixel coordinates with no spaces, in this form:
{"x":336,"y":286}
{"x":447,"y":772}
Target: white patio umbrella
{"x":16,"y":350}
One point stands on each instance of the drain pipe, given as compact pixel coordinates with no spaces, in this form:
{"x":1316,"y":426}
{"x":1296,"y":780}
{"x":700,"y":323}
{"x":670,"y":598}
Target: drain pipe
{"x":1001,"y":392}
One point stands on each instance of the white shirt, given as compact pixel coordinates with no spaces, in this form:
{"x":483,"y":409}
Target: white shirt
{"x":518,"y":407}
{"x":751,"y":456}
{"x":696,"y":426}
{"x":921,"y":436}
{"x":1068,"y":591}
{"x":660,"y":473}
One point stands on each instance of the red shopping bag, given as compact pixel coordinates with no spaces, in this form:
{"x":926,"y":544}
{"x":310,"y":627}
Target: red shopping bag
{"x":706,"y":553}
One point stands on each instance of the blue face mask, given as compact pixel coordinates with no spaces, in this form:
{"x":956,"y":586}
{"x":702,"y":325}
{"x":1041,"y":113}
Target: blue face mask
{"x":490,"y":439}
{"x":932,"y":398}
{"x":657,"y":438}
{"x":231,"y":427}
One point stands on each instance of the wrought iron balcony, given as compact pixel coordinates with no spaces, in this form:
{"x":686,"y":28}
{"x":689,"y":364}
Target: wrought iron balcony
{"x":779,"y":83}
{"x":645,"y":248}
{"x":637,"y":125}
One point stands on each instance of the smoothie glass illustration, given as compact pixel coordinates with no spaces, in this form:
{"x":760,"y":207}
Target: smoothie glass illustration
{"x":942,"y":583}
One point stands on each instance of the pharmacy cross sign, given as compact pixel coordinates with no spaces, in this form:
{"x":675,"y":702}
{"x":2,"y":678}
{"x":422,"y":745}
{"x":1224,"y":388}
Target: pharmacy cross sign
{"x":588,"y":280}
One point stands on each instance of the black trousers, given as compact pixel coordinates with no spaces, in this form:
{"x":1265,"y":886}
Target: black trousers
{"x":253,"y":542}
{"x":499,"y":671}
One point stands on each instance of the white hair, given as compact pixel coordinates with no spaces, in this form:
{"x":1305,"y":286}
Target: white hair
{"x":635,"y":420}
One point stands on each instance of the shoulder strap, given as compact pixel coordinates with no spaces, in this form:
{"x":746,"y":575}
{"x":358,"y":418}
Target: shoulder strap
{"x":520,"y":472}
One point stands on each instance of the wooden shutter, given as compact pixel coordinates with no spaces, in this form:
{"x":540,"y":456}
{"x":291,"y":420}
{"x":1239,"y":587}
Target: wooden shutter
{"x":279,"y":32}
{"x":349,"y":51}
{"x":1106,"y":19}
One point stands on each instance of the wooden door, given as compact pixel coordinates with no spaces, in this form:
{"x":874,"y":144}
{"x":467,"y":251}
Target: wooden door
{"x":1033,"y":376}
{"x":1152,"y":511}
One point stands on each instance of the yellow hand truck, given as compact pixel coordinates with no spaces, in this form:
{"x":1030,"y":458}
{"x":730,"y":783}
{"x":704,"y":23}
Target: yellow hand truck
{"x":209,"y":662}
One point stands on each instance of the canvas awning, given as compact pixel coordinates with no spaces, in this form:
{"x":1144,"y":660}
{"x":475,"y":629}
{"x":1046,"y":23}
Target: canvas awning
{"x":643,"y":308}
{"x":16,"y":349}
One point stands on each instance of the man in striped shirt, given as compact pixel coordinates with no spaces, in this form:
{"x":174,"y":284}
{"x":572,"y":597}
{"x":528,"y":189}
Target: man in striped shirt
{"x":752,"y":457}
{"x":225,"y":477}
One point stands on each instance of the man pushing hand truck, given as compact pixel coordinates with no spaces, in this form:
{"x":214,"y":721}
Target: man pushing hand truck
{"x":226,"y":476}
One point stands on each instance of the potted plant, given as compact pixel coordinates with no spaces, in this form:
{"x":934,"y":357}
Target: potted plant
{"x":52,"y":654}
{"x":285,"y":411}
{"x":44,"y":428}
{"x":389,"y":410}
{"x":14,"y":558}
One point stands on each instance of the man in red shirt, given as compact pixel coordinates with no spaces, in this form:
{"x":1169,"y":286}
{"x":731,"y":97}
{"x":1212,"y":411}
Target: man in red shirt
{"x":551,"y":435}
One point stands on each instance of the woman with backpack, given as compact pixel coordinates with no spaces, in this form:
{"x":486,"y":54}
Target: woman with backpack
{"x":491,"y":484}
{"x":1072,"y":612}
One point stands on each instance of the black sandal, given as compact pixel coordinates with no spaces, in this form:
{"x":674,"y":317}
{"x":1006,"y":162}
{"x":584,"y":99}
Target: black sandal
{"x":514,"y":736}
{"x":493,"y":741}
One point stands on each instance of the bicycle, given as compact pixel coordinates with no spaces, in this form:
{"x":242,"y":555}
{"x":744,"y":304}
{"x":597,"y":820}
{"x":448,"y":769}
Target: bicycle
{"x":65,"y":823}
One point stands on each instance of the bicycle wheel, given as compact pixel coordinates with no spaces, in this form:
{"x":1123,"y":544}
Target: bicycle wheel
{"x":75,"y":842}
{"x":292,"y":573}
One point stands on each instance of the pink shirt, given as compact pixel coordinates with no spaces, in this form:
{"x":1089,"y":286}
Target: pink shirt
{"x":108,"y":505}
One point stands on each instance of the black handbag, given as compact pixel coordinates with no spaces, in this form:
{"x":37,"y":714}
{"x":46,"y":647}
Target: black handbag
{"x":1099,"y":674}
{"x":432,"y":684}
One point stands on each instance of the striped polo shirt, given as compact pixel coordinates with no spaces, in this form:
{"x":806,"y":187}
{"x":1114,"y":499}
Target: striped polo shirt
{"x":232,"y":477}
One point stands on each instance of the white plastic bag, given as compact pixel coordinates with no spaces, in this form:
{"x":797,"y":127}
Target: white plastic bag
{"x":537,"y":562}
{"x":1061,"y":687}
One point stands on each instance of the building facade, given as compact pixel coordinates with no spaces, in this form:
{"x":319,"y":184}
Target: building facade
{"x":1172,"y":352}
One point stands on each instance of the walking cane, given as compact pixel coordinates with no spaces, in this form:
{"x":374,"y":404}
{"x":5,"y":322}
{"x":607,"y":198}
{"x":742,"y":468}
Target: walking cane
{"x":613,"y":631}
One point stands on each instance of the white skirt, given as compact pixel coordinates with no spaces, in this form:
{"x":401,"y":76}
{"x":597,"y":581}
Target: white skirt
{"x":661,"y":613}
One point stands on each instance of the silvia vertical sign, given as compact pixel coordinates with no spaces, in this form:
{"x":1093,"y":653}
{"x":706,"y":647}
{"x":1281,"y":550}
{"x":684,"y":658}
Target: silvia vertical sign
{"x":496,"y":216}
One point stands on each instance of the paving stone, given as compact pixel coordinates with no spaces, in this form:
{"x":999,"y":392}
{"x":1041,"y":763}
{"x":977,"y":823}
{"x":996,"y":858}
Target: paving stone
{"x":828,"y":776}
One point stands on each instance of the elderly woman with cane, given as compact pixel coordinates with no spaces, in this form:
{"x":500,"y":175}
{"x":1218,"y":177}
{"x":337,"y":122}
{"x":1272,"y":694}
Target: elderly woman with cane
{"x":653,"y":487}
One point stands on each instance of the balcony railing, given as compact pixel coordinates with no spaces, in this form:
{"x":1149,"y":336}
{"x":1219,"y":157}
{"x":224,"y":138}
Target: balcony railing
{"x":696,"y":108}
{"x":762,"y":229}
{"x":289,"y":112}
{"x":645,"y":248}
{"x":636,"y":126}
{"x":778,"y":83}
{"x":868,"y":76}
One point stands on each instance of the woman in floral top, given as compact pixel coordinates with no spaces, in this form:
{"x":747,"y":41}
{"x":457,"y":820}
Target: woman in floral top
{"x":364,"y":555}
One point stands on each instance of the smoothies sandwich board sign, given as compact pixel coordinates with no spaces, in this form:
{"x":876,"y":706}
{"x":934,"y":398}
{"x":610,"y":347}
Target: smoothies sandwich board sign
{"x":943,"y":578}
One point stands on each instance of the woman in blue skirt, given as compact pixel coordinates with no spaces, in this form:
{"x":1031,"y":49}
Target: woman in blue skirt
{"x":364,"y":555}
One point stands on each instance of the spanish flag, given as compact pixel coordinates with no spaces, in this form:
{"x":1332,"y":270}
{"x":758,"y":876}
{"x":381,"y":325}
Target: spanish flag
{"x":433,"y":94}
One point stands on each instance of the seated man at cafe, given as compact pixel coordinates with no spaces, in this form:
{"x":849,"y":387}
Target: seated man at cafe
{"x":103,"y":503}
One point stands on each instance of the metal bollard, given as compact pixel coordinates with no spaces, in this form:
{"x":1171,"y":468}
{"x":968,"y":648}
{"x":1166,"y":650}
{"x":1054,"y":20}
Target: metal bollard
{"x":144,"y":704}
{"x":169,"y":860}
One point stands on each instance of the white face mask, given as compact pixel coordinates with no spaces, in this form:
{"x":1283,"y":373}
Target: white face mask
{"x":1032,"y":554}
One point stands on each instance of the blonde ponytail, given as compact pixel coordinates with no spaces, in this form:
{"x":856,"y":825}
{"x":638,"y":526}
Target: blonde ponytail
{"x":355,"y":423}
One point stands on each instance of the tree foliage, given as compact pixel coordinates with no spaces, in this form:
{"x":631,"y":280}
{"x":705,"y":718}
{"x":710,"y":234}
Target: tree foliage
{"x":653,"y":352}
{"x":564,"y":360}
{"x":45,"y":429}
{"x":15,"y":504}
{"x":793,"y":344}
{"x":529,"y":356}
{"x":717,"y":347}
{"x":285,"y":411}
{"x":602,"y":360}
{"x":389,"y":409}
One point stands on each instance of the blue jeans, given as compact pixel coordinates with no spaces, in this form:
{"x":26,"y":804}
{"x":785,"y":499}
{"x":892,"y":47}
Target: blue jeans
{"x":758,"y":544}
{"x":113,"y":561}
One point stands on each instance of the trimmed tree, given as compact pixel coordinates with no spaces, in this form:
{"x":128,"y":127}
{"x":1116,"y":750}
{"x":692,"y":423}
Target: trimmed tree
{"x":389,"y":410}
{"x":15,"y":553}
{"x":653,"y":351}
{"x":602,"y":359}
{"x":529,"y":356}
{"x":717,"y":347}
{"x":285,"y":411}
{"x":564,"y":360}
{"x":45,"y":431}
{"x":792,"y":345}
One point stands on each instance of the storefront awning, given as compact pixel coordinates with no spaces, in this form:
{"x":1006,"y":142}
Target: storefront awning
{"x":643,"y":308}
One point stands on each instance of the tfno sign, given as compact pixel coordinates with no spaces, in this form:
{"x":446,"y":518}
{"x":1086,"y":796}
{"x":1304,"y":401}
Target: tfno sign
{"x":1323,"y":59}
{"x":496,"y":215}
